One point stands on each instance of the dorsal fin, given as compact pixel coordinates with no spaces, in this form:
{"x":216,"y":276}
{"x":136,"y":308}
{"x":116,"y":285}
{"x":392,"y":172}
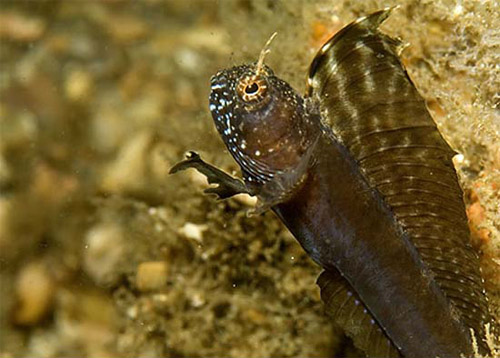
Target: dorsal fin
{"x":346,"y":309}
{"x":374,"y":110}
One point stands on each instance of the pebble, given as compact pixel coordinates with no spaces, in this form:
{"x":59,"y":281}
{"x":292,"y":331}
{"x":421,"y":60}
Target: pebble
{"x":458,"y":160}
{"x":127,"y":172}
{"x":52,"y":185}
{"x":198,"y":299}
{"x":19,"y":27}
{"x":193,"y":231}
{"x":151,"y":275}
{"x":254,"y":250}
{"x":35,"y":290}
{"x":104,"y":245}
{"x":106,"y":128}
{"x":255,"y":316}
{"x":246,"y":200}
{"x":132,"y":312}
{"x":78,"y":85}
{"x":126,"y":29}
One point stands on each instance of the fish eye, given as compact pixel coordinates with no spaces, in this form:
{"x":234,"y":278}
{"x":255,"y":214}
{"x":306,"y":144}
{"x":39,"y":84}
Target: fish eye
{"x":252,"y":88}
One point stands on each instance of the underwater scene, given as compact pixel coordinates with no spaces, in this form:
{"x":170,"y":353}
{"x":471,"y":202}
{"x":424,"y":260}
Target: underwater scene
{"x":249,"y":178}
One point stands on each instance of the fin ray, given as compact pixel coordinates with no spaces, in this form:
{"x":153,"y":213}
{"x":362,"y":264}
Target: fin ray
{"x":347,"y":310}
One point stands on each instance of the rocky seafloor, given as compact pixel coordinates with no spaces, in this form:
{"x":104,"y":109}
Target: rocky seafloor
{"x":102,"y":254}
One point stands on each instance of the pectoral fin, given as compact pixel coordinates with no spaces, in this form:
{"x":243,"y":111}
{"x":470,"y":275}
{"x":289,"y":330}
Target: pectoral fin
{"x":227,"y":186}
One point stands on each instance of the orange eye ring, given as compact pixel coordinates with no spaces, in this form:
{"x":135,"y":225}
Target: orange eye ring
{"x":252,"y":88}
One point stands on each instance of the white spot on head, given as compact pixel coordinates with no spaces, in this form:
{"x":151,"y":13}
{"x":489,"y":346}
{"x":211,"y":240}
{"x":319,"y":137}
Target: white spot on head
{"x":257,"y":153}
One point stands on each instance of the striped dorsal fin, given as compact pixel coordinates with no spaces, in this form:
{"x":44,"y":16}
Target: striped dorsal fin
{"x":368,"y":100}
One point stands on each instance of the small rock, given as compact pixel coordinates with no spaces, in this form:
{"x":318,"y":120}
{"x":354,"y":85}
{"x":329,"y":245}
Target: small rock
{"x":458,"y":160}
{"x":160,"y":298}
{"x":35,"y":290}
{"x":188,"y":60}
{"x":193,"y":231}
{"x":52,"y":185}
{"x":126,"y":29}
{"x":78,"y":85}
{"x":104,"y":245}
{"x":128,"y":171}
{"x":197,"y":300}
{"x":106,"y":128}
{"x":254,"y":250}
{"x":132,"y":312}
{"x":18,"y":27}
{"x":246,"y":199}
{"x":151,"y":275}
{"x":255,"y":316}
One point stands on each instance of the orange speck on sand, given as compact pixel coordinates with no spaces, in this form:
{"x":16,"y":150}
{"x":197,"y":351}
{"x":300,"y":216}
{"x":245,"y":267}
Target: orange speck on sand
{"x":475,"y":213}
{"x":436,"y":108}
{"x":484,"y":235}
{"x":319,"y":31}
{"x":323,"y":32}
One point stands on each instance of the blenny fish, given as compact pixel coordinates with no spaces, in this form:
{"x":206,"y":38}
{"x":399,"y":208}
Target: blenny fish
{"x":358,"y":172}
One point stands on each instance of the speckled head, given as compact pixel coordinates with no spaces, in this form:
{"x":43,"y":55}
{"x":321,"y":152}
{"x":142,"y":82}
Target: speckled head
{"x":261,"y":119}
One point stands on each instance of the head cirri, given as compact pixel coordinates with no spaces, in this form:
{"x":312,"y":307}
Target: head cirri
{"x":262,"y":120}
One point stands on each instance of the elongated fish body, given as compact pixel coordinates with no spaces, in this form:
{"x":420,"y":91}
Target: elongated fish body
{"x":360,"y":175}
{"x":353,"y":231}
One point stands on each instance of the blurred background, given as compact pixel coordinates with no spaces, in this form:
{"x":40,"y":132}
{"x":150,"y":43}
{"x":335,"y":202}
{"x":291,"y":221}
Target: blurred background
{"x":102,"y":254}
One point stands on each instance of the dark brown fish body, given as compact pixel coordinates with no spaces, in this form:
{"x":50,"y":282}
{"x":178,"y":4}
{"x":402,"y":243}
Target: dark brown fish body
{"x":360,"y":175}
{"x":353,"y":231}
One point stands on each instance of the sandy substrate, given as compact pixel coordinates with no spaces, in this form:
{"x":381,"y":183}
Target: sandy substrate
{"x":102,"y":254}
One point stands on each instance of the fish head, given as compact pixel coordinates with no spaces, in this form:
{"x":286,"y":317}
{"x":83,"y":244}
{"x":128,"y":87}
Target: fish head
{"x":262,"y":120}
